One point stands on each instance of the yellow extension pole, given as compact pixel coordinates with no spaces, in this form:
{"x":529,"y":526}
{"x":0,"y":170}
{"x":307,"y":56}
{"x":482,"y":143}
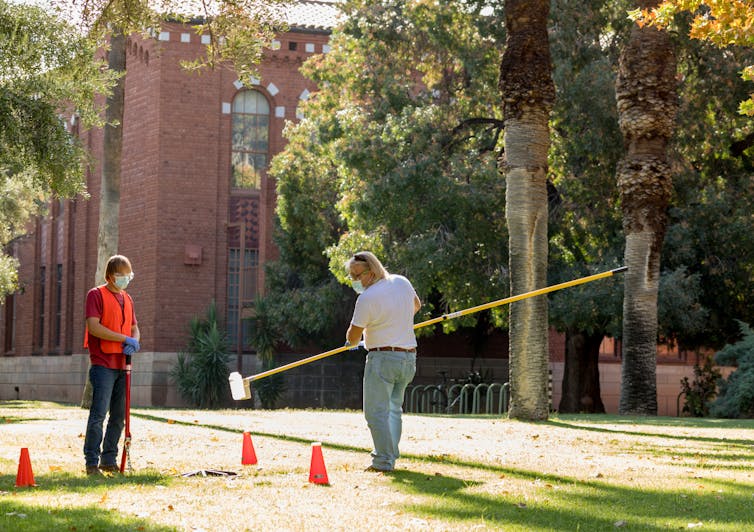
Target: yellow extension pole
{"x":444,"y":317}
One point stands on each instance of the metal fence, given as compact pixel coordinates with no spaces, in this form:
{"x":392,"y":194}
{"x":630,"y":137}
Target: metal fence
{"x":458,"y":399}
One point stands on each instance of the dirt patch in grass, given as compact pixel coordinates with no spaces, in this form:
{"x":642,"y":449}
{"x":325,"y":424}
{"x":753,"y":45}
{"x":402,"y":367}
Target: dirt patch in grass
{"x":456,"y":472}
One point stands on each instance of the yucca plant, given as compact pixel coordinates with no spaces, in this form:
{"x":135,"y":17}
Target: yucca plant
{"x":271,"y":388}
{"x":201,"y":372}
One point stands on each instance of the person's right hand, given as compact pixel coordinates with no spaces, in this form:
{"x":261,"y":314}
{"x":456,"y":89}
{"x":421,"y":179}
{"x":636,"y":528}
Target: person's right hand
{"x":131,"y":342}
{"x":128,"y":350}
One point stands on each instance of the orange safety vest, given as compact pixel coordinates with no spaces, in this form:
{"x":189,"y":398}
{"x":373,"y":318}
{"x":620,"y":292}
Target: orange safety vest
{"x":114,"y":318}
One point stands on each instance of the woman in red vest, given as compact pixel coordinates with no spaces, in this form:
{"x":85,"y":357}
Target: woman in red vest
{"x":112,"y":333}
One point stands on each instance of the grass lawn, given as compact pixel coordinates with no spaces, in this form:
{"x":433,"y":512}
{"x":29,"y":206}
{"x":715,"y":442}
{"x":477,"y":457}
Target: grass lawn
{"x":457,"y":473}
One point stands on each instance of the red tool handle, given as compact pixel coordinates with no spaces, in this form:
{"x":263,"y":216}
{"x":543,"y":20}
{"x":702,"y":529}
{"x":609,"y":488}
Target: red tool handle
{"x":127,"y":439}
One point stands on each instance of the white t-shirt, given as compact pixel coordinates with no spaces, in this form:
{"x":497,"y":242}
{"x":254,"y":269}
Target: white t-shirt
{"x":386,"y":312}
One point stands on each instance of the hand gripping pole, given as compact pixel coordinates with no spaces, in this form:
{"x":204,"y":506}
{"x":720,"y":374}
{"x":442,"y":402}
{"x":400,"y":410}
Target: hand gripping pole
{"x":240,"y":387}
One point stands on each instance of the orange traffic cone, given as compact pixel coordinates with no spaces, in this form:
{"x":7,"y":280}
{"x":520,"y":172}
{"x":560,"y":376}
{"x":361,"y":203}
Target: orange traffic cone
{"x":317,"y":471}
{"x":25,"y":475}
{"x":248,"y":456}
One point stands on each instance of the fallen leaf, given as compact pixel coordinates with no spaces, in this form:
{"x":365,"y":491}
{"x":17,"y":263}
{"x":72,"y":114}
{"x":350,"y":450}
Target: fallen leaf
{"x":170,"y":507}
{"x":171,"y":421}
{"x":56,"y":468}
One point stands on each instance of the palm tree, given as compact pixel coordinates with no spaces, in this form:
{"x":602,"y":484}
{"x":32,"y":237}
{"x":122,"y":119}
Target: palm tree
{"x":646,"y":96}
{"x":528,"y":94}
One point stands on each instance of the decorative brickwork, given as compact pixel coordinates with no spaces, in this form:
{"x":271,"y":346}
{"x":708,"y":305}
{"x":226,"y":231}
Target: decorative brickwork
{"x":244,"y":209}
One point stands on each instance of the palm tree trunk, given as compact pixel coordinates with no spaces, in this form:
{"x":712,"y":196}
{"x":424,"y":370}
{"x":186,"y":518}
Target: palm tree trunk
{"x":646,"y":95}
{"x":528,"y":93}
{"x":109,"y":205}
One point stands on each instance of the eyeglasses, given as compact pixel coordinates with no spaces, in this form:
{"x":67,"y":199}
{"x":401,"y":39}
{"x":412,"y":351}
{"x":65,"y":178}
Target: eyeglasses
{"x":129,"y":276}
{"x":358,"y":275}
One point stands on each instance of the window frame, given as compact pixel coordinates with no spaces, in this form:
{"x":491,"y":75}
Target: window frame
{"x":250,"y":151}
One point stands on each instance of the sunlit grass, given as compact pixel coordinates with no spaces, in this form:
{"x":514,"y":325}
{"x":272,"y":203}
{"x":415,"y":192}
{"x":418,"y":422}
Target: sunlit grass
{"x":568,"y":473}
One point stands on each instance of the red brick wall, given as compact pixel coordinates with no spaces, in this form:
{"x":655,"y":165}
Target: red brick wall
{"x":174,"y":192}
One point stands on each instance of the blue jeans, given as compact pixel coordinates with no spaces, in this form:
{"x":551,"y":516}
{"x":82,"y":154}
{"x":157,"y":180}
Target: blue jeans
{"x":386,"y":375}
{"x":108,"y":394}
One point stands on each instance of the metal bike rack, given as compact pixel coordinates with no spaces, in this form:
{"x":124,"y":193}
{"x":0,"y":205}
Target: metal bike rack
{"x":461,"y":399}
{"x":454,"y":392}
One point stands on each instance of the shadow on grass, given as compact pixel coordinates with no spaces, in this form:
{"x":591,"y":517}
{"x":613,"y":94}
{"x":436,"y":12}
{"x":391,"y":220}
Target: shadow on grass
{"x":659,"y":421}
{"x":12,"y":419}
{"x":724,"y":444}
{"x":23,"y":404}
{"x":565,"y":504}
{"x":710,"y":456}
{"x":55,"y":482}
{"x":16,"y":515}
{"x":725,"y":441}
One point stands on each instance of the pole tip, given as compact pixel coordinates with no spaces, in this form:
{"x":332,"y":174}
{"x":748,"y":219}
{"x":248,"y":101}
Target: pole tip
{"x":619,"y":270}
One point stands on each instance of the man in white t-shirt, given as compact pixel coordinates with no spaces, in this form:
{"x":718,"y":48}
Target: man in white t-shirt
{"x":384,"y":314}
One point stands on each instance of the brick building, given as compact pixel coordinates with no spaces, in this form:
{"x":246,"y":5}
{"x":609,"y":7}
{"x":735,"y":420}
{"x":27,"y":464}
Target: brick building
{"x":196,"y":210}
{"x":196,"y":215}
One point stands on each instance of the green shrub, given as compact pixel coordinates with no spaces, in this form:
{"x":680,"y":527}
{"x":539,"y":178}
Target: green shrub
{"x":201,"y":373}
{"x":699,"y":394}
{"x":268,"y":389}
{"x":736,"y":397}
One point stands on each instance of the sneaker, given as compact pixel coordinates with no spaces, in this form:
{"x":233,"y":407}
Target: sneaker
{"x":109,"y":468}
{"x":372,"y":469}
{"x":93,"y":471}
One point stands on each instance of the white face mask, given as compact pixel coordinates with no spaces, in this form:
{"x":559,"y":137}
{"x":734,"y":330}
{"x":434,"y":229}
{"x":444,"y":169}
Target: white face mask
{"x":357,"y":286}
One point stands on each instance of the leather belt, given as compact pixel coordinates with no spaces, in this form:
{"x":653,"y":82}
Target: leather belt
{"x":389,"y":348}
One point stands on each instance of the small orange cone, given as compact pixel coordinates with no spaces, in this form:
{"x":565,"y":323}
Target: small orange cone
{"x":248,"y":456}
{"x":25,"y":475}
{"x":317,"y":471}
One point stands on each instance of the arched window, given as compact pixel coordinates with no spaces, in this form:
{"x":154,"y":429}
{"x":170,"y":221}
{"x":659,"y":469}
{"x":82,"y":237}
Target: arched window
{"x":251,"y":127}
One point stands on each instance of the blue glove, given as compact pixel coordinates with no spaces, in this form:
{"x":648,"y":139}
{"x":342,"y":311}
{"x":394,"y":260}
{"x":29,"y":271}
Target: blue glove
{"x":128,"y":350}
{"x":357,"y":346}
{"x":132,"y":342}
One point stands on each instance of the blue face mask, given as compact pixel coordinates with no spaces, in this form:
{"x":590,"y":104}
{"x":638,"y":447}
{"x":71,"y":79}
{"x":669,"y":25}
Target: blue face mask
{"x":121,"y":281}
{"x":357,"y":286}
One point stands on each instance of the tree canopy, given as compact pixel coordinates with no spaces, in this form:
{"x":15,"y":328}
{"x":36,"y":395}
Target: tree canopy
{"x":45,"y":68}
{"x":722,"y":22}
{"x":396,"y":154}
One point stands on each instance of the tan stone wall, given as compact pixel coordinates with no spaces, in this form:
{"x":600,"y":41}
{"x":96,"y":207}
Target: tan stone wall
{"x":668,"y":386}
{"x":322,"y":384}
{"x":61,"y":379}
